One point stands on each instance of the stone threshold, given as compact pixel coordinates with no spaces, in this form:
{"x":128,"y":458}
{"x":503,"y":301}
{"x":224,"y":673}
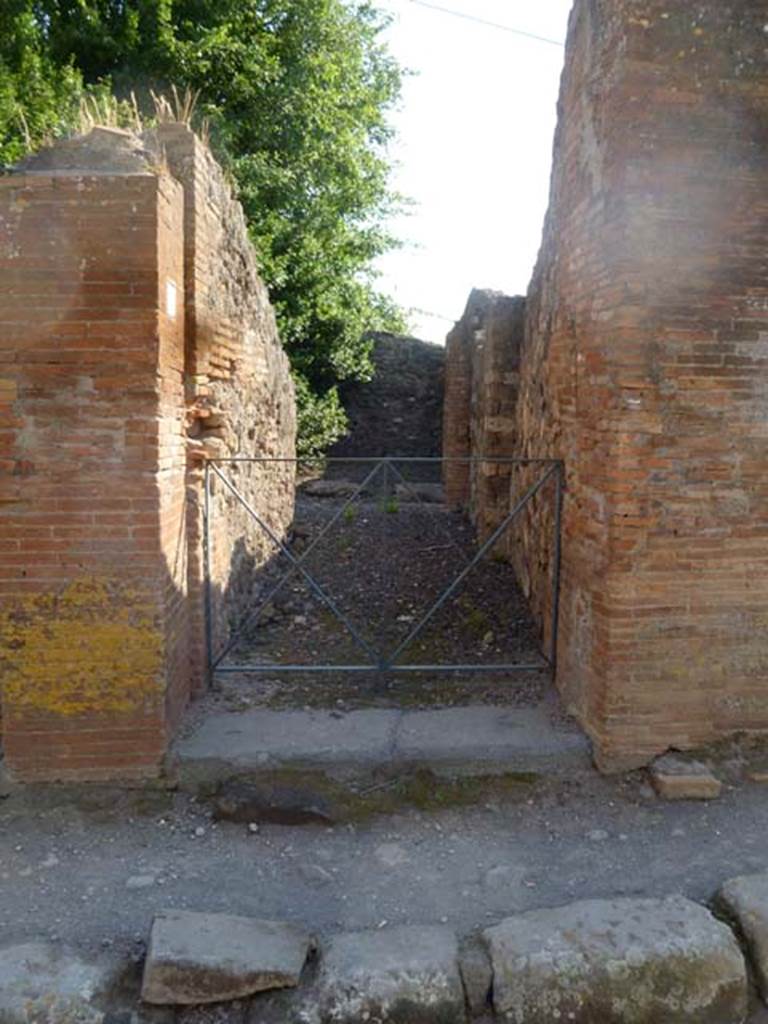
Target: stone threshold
{"x":459,"y":741}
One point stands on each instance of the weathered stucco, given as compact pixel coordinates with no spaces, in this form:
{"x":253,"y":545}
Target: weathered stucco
{"x":93,"y":647}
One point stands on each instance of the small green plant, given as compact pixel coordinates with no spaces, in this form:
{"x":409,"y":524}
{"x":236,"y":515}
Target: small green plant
{"x":350,"y":513}
{"x":391,"y":505}
{"x":475,"y":618}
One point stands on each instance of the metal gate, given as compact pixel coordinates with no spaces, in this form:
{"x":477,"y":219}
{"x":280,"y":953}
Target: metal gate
{"x":387,"y":477}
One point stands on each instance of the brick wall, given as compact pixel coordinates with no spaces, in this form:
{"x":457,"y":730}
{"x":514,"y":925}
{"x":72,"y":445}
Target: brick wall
{"x":482,"y":373}
{"x":644,"y":368}
{"x":239,"y":390}
{"x":87,"y":593}
{"x":99,"y":540}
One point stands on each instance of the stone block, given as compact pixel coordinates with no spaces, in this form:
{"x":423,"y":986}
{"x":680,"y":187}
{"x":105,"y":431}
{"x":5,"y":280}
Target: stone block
{"x":41,"y":982}
{"x":675,"y":778}
{"x":210,"y":958}
{"x":395,"y":976}
{"x":745,"y":899}
{"x":619,"y":961}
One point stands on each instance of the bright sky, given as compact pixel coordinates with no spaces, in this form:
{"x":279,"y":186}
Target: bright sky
{"x":475,"y":127}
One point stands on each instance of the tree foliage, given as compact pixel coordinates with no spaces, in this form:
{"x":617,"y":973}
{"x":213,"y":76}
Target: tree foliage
{"x":297,"y":94}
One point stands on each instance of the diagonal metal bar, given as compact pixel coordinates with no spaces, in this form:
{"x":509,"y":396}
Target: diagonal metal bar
{"x":426,"y":505}
{"x":530,"y":493}
{"x":314,"y":585}
{"x":254,"y":614}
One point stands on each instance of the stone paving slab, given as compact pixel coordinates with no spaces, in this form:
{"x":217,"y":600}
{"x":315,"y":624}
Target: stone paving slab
{"x":475,"y":737}
{"x":745,"y":899}
{"x":623,"y":961}
{"x":398,"y":975}
{"x":210,"y":958}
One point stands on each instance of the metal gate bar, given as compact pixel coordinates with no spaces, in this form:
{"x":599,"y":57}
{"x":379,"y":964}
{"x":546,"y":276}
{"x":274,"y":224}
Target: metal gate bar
{"x":380,"y":662}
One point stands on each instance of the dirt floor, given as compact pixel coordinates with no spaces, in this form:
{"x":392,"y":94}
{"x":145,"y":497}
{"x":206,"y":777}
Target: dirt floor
{"x":384,"y":559}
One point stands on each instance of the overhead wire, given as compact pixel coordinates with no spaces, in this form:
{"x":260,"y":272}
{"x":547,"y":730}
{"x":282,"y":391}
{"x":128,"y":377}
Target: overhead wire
{"x":434,"y":316}
{"x":489,"y":24}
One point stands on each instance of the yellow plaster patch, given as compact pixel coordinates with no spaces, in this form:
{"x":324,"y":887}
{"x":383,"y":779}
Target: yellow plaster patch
{"x":93,"y":647}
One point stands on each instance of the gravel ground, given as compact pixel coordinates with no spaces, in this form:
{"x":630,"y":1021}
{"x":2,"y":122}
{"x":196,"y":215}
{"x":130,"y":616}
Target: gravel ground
{"x":92,"y":867}
{"x":384,"y":563}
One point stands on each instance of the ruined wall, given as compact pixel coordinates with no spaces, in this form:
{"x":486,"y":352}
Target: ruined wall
{"x":644,"y":368}
{"x":99,"y":624}
{"x":482,"y":373}
{"x":399,"y":411}
{"x":239,"y":389}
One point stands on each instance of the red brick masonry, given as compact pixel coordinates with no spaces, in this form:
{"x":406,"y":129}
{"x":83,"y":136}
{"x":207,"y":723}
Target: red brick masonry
{"x":645,"y":368}
{"x":100,"y":578}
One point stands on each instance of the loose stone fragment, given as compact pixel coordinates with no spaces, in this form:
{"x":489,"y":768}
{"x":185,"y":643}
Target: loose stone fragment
{"x":209,"y":958}
{"x":259,"y":802}
{"x":330,"y":488}
{"x":746,"y":900}
{"x":40,"y":982}
{"x":397,"y":976}
{"x":674,"y":778}
{"x":618,"y":962}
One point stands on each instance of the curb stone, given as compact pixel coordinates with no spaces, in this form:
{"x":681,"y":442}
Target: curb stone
{"x":398,"y":975}
{"x":640,"y":960}
{"x":745,"y":901}
{"x":45,"y":982}
{"x":213,"y":958}
{"x":624,"y":961}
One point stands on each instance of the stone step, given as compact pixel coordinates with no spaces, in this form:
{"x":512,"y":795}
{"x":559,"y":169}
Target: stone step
{"x":328,"y":763}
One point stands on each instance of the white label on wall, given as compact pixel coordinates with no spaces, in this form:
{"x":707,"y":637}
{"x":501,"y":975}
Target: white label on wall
{"x":170,"y":298}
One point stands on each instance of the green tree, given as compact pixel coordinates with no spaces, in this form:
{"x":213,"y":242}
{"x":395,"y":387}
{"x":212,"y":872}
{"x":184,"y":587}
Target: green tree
{"x":39,"y":98}
{"x":297,"y":93}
